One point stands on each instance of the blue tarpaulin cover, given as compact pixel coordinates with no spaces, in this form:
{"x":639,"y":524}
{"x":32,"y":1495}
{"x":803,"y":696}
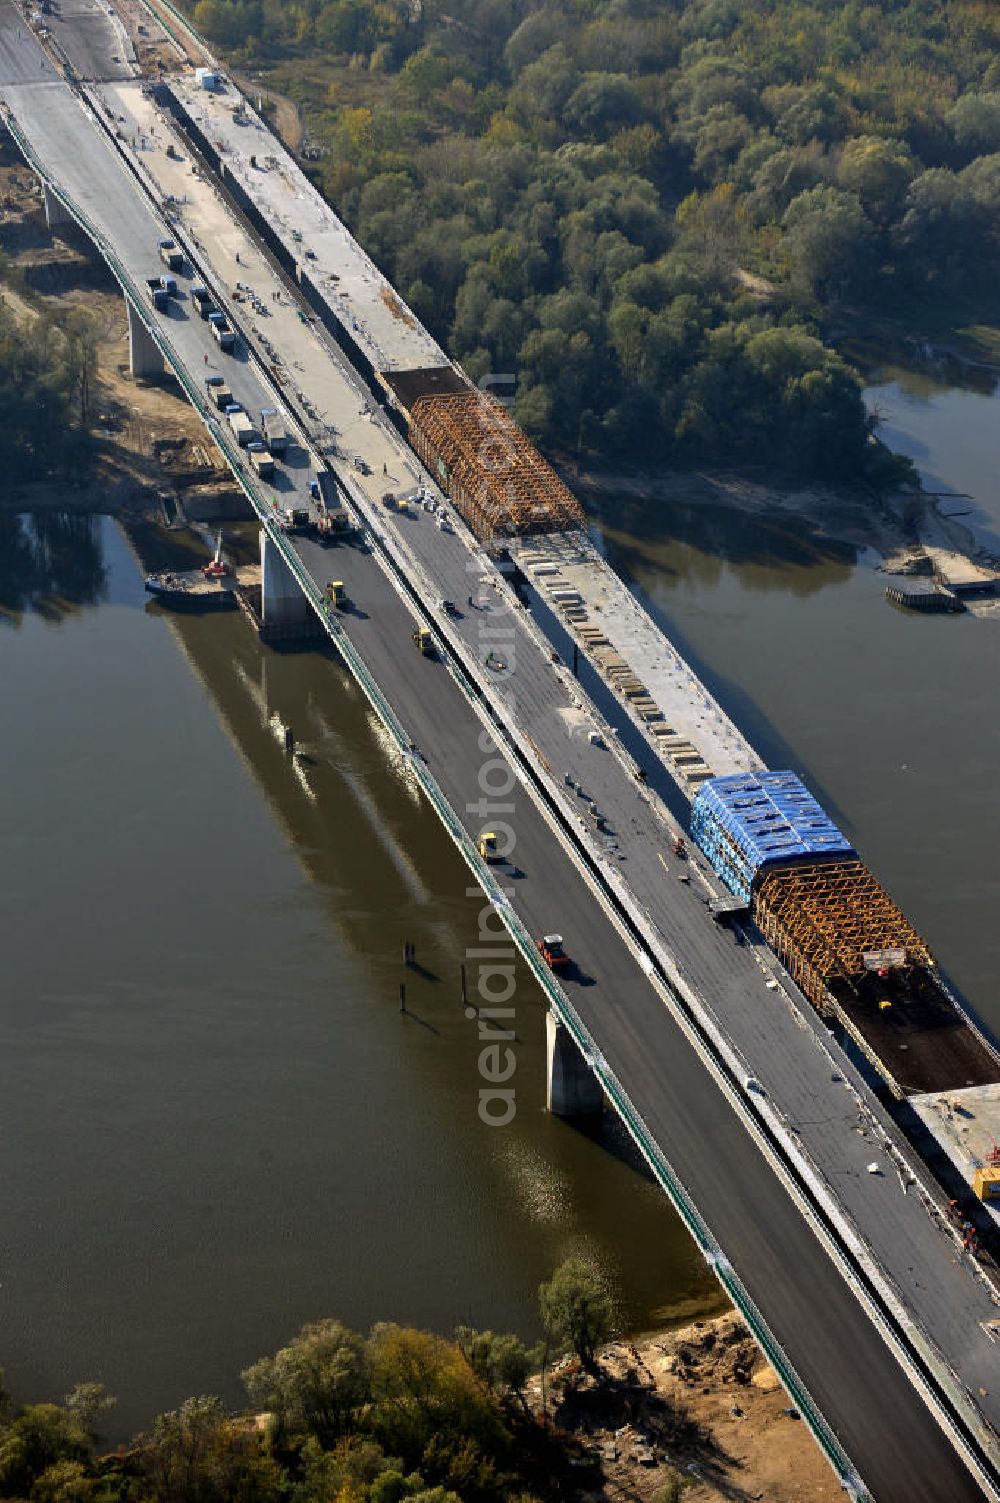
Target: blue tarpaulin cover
{"x":751,"y":820}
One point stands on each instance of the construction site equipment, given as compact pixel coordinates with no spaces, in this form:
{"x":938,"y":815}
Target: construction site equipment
{"x":496,"y":477}
{"x":834,"y":920}
{"x":261,"y":459}
{"x":423,"y":640}
{"x":488,"y":845}
{"x":221,"y":332}
{"x":296,"y":519}
{"x":274,"y":428}
{"x":336,"y":593}
{"x":552,"y":952}
{"x":239,"y":422}
{"x":157,"y":293}
{"x":202,"y":299}
{"x":171,"y":256}
{"x":748,"y":821}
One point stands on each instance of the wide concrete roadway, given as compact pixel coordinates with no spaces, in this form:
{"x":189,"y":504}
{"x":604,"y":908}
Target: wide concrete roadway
{"x":878,"y":1416}
{"x":778,"y":1035}
{"x":856,"y":1382}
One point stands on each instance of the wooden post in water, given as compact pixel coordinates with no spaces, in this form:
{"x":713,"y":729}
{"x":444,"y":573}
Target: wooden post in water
{"x":402,"y":996}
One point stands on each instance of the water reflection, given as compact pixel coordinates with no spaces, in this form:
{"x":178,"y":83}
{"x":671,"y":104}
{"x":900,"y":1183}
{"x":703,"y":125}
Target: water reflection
{"x":696,"y":543}
{"x":51,"y":563}
{"x":922,"y":370}
{"x":223,"y":1126}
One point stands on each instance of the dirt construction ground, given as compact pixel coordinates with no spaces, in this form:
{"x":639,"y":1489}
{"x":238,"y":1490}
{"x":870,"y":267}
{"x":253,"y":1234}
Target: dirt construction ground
{"x":694,"y":1413}
{"x":150,"y":441}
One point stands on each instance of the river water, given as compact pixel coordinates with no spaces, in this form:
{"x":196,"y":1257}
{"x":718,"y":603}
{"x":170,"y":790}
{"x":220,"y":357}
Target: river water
{"x":892,"y":717}
{"x":216,"y":1125}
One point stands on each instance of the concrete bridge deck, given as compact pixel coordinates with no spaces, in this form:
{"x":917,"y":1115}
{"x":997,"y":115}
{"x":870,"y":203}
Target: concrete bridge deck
{"x":857,"y":1383}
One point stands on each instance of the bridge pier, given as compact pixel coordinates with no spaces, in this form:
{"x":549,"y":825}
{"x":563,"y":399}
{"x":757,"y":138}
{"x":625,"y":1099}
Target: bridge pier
{"x":144,"y":357}
{"x":282,"y":602}
{"x":56,"y":212}
{"x":571,"y":1087}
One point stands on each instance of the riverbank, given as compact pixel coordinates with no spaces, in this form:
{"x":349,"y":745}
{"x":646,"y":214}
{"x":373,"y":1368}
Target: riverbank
{"x":904,"y":527}
{"x":697,"y":1403}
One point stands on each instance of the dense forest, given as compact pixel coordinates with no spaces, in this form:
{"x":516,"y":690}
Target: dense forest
{"x":337,"y":1417}
{"x":46,"y":371}
{"x":654,"y":212}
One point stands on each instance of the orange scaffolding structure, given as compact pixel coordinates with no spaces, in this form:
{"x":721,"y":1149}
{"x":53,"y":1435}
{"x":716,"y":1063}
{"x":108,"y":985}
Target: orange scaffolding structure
{"x":496,"y":477}
{"x":831,"y":920}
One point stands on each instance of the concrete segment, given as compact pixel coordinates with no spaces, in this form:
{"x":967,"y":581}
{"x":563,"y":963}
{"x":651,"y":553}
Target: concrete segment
{"x":571,"y":1088}
{"x":144,"y":354}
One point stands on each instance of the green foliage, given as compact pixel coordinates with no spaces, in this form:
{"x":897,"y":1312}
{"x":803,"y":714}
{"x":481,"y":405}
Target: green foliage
{"x":46,"y":371}
{"x":502,"y":1363}
{"x":575,"y":1310}
{"x":315,"y":1385}
{"x":38,"y":1438}
{"x":199,"y":1455}
{"x":494,"y":157}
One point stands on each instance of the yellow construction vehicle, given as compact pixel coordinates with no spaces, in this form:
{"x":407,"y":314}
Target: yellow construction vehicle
{"x":488,"y":846}
{"x":423,"y":640}
{"x":336,"y":594}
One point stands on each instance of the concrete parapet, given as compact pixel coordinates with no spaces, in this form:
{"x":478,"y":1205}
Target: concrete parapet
{"x":571,"y":1087}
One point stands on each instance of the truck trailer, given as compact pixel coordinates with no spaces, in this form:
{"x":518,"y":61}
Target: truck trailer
{"x":261,"y":459}
{"x":171,"y":256}
{"x":239,"y":422}
{"x":275,"y":432}
{"x":157,"y":294}
{"x":221,"y":332}
{"x":218,"y":392}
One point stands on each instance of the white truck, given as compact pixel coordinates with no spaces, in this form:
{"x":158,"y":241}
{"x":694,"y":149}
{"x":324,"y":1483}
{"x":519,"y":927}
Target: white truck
{"x":261,"y":459}
{"x":274,"y":428}
{"x":221,"y":332}
{"x":239,"y":422}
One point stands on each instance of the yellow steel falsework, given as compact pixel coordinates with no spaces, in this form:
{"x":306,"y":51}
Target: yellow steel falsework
{"x":495,"y":475}
{"x":824,"y":917}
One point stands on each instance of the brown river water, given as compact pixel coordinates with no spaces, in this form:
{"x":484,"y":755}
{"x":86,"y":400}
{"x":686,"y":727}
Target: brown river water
{"x":216,"y":1124}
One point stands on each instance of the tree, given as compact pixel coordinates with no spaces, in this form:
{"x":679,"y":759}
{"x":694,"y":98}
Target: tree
{"x":86,"y":1404}
{"x":64,"y":1482}
{"x":879,"y":171}
{"x":502,"y":1363}
{"x":974,"y":121}
{"x":943,"y":232}
{"x":39,"y":1436}
{"x":575,"y":1310}
{"x":827,"y":243}
{"x":427,"y":1406}
{"x":315,"y":1385}
{"x":195,"y":1454}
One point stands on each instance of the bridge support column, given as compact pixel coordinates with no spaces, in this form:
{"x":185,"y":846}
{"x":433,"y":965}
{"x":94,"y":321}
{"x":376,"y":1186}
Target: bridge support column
{"x":572,"y":1088}
{"x":55,"y":210}
{"x":282,"y":600}
{"x":144,"y":358}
